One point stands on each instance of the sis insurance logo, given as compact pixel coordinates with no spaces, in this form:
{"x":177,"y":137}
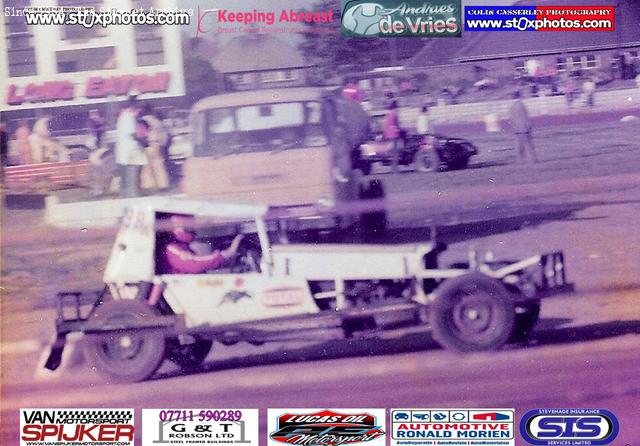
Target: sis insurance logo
{"x":569,"y":427}
{"x":393,"y":18}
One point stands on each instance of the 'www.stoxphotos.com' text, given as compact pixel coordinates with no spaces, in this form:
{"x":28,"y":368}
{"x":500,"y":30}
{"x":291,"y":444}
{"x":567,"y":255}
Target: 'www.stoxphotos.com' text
{"x":89,"y":17}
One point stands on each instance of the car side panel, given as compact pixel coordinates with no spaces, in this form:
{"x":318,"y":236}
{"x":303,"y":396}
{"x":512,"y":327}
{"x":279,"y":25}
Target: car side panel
{"x":221,"y":299}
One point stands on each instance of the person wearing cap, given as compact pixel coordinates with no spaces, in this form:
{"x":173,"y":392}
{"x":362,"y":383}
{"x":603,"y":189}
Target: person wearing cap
{"x":521,"y":127}
{"x":180,"y":258}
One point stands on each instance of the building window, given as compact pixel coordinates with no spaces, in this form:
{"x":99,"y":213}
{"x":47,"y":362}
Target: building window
{"x":79,"y":32}
{"x":520,"y":67}
{"x":561,"y":64}
{"x":88,"y":59}
{"x":591,"y":61}
{"x":576,"y":62}
{"x":149,"y":44}
{"x":20,"y":50}
{"x":279,"y":76}
{"x":241,"y":79}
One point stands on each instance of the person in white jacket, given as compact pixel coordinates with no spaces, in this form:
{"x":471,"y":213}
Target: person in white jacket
{"x":129,"y":152}
{"x":423,"y":125}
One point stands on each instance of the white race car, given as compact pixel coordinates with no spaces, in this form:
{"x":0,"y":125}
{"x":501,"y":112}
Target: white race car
{"x":276,"y":292}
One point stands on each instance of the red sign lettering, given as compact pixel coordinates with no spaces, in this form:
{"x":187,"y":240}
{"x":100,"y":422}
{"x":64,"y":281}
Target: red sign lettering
{"x":94,"y":87}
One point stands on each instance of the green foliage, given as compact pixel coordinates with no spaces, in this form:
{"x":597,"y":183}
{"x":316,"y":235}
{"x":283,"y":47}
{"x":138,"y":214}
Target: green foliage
{"x":200,"y":79}
{"x":333,"y":54}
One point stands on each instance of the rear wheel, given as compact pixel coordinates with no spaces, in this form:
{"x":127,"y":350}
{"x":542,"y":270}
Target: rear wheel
{"x":125,"y":355}
{"x":426,"y":161}
{"x":188,"y":356}
{"x":472,"y":312}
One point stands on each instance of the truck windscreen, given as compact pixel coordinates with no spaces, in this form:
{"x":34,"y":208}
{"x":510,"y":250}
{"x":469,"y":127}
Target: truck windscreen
{"x":260,"y":127}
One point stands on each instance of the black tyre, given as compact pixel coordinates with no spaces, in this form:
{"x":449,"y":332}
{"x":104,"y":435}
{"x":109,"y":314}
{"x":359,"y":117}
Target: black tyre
{"x":125,"y":355}
{"x":188,"y":356}
{"x":526,"y":318}
{"x":373,"y":224}
{"x":426,"y":161}
{"x":471,"y":313}
{"x":365,"y":167}
{"x":459,"y":163}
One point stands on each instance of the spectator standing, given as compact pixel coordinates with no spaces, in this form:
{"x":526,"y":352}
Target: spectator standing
{"x":22,"y":136}
{"x":569,"y":89}
{"x":521,"y":127}
{"x":129,"y":154}
{"x":154,"y":173}
{"x":40,"y":140}
{"x":589,"y":89}
{"x":423,"y":126}
{"x":96,"y":126}
{"x":392,"y":132}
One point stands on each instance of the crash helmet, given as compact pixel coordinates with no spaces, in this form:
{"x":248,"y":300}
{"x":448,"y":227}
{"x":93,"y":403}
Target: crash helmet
{"x":183,"y":228}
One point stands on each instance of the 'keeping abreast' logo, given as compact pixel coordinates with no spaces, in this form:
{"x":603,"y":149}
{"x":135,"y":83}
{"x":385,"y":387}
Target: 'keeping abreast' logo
{"x":393,"y":18}
{"x":570,"y":427}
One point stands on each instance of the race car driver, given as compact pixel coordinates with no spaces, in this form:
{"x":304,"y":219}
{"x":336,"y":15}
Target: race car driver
{"x":180,"y":258}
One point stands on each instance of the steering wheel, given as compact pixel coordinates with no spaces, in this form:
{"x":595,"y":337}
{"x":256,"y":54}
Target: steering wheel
{"x":246,"y":258}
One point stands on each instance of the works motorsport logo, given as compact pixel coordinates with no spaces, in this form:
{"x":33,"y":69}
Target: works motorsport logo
{"x":326,"y":427}
{"x":393,"y":18}
{"x":52,"y":427}
{"x":452,"y":427}
{"x":569,"y":427}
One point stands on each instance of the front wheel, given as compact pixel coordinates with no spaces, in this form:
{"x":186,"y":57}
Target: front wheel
{"x":125,"y":355}
{"x":188,"y":356}
{"x":472,"y":312}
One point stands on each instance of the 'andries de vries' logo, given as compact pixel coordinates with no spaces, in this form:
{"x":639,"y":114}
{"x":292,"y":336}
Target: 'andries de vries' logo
{"x":390,"y":18}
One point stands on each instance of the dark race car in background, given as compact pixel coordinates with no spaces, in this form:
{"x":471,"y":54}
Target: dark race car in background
{"x":425,"y":153}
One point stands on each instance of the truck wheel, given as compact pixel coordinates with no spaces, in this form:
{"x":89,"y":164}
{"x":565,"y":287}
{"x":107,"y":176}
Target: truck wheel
{"x":188,"y":356}
{"x":525,"y":321}
{"x":125,"y":355}
{"x":471,"y":313}
{"x":373,"y":224}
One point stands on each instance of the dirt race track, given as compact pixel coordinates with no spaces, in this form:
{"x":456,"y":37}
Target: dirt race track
{"x":585,"y":351}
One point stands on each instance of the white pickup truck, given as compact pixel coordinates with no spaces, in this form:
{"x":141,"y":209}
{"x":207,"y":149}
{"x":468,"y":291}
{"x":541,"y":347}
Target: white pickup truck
{"x":274,"y":292}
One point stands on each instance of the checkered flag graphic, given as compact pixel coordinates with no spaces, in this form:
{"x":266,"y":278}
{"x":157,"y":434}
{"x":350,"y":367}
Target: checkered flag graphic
{"x":122,"y":414}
